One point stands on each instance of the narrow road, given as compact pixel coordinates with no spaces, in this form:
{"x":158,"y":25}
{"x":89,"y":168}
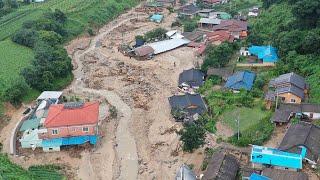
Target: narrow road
{"x":126,"y":145}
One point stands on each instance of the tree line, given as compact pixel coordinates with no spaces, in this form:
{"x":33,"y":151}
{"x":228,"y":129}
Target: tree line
{"x":51,"y":62}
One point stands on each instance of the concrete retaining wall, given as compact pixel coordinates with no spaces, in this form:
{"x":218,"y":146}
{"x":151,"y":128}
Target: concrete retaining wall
{"x":13,"y":138}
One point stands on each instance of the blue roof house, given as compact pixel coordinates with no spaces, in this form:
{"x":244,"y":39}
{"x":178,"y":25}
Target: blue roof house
{"x":274,"y":157}
{"x":156,"y":18}
{"x":267,"y":54}
{"x":241,"y":80}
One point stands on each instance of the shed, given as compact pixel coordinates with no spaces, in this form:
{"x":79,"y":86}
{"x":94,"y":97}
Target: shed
{"x":30,"y":139}
{"x":156,"y":18}
{"x":144,"y":51}
{"x":191,"y":77}
{"x":241,"y":80}
{"x":222,"y":166}
{"x":210,"y":21}
{"x":55,"y":95}
{"x":267,"y":53}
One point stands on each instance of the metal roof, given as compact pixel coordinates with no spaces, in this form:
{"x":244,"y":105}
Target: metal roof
{"x":210,"y":21}
{"x":192,"y":103}
{"x":30,"y":124}
{"x":167,"y":45}
{"x":266,"y":53}
{"x":50,"y":95}
{"x":278,"y":174}
{"x":241,"y":80}
{"x":185,"y":173}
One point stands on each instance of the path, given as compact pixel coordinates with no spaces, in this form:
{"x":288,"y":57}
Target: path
{"x":126,"y":146}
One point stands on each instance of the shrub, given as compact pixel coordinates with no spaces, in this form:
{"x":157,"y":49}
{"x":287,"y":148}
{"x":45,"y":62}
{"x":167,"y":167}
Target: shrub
{"x":189,"y":26}
{"x":15,"y":91}
{"x":25,"y":37}
{"x":113,"y":112}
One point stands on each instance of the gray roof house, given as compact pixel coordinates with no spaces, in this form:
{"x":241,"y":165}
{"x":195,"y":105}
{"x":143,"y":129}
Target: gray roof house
{"x":191,"y":77}
{"x":278,"y":174}
{"x":188,"y":10}
{"x":303,"y":134}
{"x":286,"y":111}
{"x":191,"y":103}
{"x":222,"y":166}
{"x":287,"y":83}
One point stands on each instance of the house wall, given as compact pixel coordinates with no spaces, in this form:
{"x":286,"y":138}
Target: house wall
{"x":314,"y":115}
{"x":51,"y":149}
{"x":30,"y":143}
{"x":70,"y":131}
{"x":288,"y":96}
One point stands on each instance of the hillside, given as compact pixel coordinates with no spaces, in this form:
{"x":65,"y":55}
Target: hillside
{"x":81,"y":16}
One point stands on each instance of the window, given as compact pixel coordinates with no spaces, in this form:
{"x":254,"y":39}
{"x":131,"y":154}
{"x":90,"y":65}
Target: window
{"x":293,"y":100}
{"x":54,"y":131}
{"x":283,"y":98}
{"x":85,"y":129}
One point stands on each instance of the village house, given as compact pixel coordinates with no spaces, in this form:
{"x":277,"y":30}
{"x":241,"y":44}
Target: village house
{"x":304,"y":135}
{"x":265,"y":156}
{"x":222,"y":166}
{"x":208,"y":23}
{"x":70,"y":124}
{"x":241,"y":80}
{"x":305,"y":112}
{"x":167,"y":3}
{"x":190,"y":104}
{"x":210,"y":3}
{"x":220,"y":15}
{"x":189,"y":11}
{"x":278,"y":174}
{"x":205,"y":13}
{"x":53,"y":96}
{"x":238,"y":29}
{"x":267,"y":54}
{"x":191,"y":79}
{"x":218,"y":37}
{"x":287,"y":88}
{"x":174,"y":34}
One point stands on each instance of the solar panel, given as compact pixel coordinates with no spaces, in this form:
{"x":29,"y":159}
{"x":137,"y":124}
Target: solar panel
{"x":73,"y":105}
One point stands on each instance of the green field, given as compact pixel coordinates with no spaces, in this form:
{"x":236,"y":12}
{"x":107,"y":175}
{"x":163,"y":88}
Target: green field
{"x":82,"y":14}
{"x":13,"y":58}
{"x":248,"y":117}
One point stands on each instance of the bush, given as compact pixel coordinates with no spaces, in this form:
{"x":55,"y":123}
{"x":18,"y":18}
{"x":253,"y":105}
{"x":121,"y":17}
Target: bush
{"x":113,"y":112}
{"x":189,"y":26}
{"x":25,"y":37}
{"x":155,"y":35}
{"x":15,"y":91}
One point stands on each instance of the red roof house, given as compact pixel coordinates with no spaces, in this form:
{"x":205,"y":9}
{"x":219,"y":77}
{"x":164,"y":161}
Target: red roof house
{"x":218,"y":37}
{"x":71,"y":119}
{"x":237,"y":28}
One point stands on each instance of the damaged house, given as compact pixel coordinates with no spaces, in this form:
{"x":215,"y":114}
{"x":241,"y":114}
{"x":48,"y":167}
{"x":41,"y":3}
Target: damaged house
{"x":191,"y":79}
{"x":187,"y":107}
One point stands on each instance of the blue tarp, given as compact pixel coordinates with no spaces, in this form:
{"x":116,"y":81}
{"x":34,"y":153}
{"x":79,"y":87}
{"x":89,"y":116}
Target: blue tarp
{"x":139,"y":42}
{"x":241,"y":80}
{"x":255,"y":176}
{"x":69,"y":141}
{"x":156,"y":18}
{"x":266,"y":53}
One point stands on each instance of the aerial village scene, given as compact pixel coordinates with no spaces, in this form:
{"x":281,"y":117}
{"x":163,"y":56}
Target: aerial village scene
{"x":160,"y":90}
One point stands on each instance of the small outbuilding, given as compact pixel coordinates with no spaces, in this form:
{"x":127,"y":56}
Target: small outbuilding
{"x":278,"y":174}
{"x":185,"y":173}
{"x":156,"y":18}
{"x":144,"y":52}
{"x":241,"y":80}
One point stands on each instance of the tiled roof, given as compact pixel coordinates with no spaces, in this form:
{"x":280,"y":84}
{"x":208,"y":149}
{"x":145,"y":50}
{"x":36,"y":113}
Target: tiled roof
{"x":231,"y":25}
{"x":278,"y":174}
{"x":302,"y":134}
{"x":61,"y":115}
{"x":192,"y":103}
{"x":220,"y":36}
{"x":192,"y":77}
{"x":289,"y":78}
